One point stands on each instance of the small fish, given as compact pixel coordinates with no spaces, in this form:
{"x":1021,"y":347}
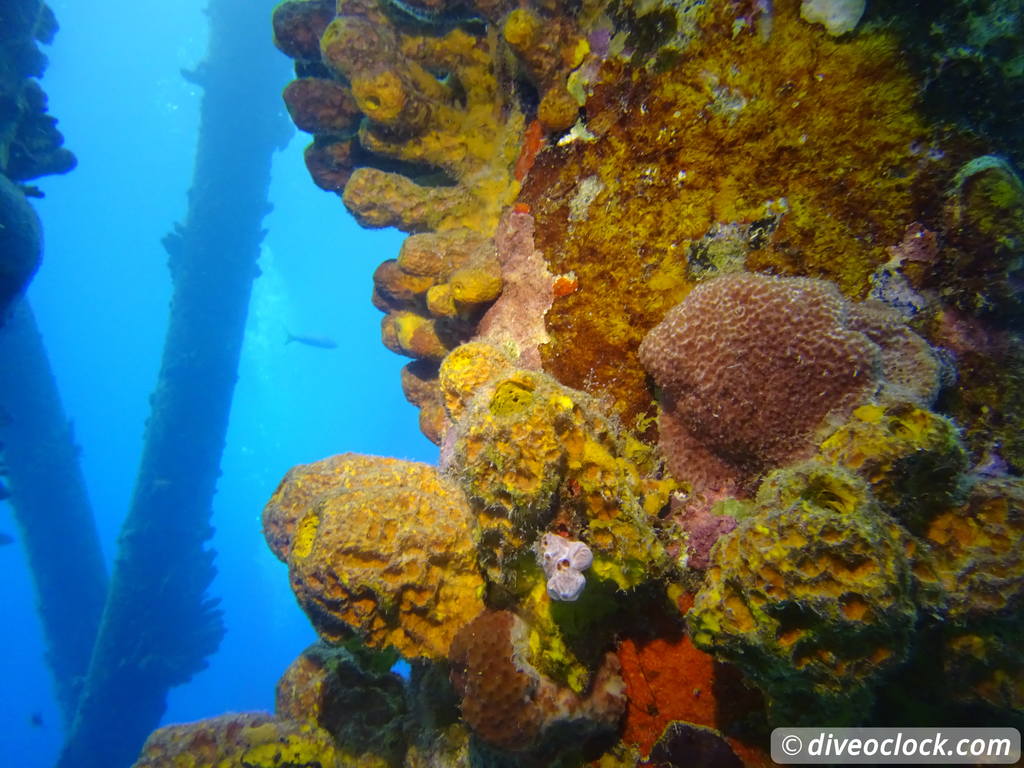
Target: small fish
{"x":321,"y":342}
{"x":6,"y":539}
{"x":36,"y":720}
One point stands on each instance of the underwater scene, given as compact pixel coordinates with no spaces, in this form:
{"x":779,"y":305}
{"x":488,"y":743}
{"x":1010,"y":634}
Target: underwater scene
{"x":509,"y":383}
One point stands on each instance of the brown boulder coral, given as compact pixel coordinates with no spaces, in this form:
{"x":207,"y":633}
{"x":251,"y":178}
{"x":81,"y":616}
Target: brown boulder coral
{"x":386,"y":553}
{"x":749,"y":366}
{"x":508,"y":703}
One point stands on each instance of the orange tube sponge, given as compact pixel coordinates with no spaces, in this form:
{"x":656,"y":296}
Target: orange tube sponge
{"x":379,"y":548}
{"x":462,"y":124}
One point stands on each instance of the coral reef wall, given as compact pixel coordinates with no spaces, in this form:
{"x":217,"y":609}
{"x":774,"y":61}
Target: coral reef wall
{"x":714,"y":315}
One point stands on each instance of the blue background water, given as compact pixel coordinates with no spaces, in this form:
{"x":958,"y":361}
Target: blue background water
{"x":101,"y":302}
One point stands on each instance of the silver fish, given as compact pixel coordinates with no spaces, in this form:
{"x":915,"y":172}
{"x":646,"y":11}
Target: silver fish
{"x":321,"y":342}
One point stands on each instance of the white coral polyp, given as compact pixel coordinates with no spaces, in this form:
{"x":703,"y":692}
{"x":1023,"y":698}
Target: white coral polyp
{"x":837,"y":16}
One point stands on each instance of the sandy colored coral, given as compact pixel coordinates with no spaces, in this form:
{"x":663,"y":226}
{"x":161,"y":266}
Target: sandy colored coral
{"x":248,"y":740}
{"x":749,"y":367}
{"x":387,"y":552}
{"x":811,"y":596}
{"x":508,"y":703}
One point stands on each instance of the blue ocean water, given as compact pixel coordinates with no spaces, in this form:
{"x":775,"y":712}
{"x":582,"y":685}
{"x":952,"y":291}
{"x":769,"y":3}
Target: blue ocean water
{"x":101,"y":301}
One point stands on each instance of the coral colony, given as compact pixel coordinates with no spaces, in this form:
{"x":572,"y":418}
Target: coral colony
{"x":717,"y":302}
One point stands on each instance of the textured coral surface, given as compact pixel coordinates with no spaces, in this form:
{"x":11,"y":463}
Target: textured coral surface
{"x":751,"y":365}
{"x":714,"y":312}
{"x":387,"y":552}
{"x":256,"y":740}
{"x":811,"y":595}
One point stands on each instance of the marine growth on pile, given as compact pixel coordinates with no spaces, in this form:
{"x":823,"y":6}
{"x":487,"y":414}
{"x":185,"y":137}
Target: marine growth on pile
{"x":714,"y":311}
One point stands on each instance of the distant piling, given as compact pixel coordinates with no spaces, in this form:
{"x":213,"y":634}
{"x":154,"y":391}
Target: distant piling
{"x":159,"y":624}
{"x":51,"y":505}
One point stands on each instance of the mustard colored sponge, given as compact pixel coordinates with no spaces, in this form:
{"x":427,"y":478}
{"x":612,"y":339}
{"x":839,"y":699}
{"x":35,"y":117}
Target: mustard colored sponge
{"x":470,"y":134}
{"x":811,"y":596}
{"x":388,"y":553}
{"x":534,"y":455}
{"x":912,"y":458}
{"x":253,"y":740}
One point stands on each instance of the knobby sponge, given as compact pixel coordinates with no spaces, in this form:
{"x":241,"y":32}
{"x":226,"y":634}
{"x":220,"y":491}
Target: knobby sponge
{"x":252,"y":739}
{"x":379,"y":548}
{"x":811,"y":596}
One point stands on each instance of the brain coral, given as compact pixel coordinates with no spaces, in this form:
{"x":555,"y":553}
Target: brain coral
{"x":252,"y":739}
{"x":810,"y":596}
{"x":508,"y":703}
{"x":749,"y":366}
{"x":387,"y":552}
